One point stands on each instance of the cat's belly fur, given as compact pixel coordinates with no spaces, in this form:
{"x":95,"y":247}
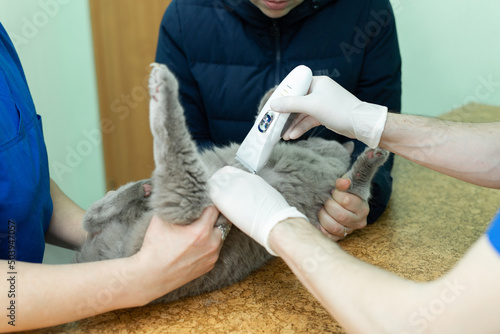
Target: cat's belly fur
{"x":304,"y":173}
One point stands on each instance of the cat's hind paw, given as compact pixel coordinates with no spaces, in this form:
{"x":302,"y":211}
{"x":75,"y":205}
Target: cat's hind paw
{"x":158,"y":79}
{"x":363,"y":170}
{"x":370,"y":159}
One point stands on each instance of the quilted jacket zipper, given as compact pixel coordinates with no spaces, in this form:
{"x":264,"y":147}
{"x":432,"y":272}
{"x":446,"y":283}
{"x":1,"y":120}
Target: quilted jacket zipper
{"x":275,"y":32}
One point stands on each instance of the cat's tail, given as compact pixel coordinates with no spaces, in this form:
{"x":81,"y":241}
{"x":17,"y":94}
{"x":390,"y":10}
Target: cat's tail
{"x":179,"y":180}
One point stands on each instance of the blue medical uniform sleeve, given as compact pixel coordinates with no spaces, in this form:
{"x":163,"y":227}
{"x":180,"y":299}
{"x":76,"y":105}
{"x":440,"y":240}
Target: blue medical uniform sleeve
{"x":494,"y":232}
{"x":25,"y":202}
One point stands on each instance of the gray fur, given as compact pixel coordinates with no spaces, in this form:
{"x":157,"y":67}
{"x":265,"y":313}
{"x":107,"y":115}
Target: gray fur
{"x":363,"y":170}
{"x":176,"y":156}
{"x":304,"y":172}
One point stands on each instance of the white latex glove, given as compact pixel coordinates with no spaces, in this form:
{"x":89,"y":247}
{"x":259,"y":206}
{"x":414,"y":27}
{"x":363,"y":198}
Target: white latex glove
{"x":250,"y":203}
{"x":330,"y":104}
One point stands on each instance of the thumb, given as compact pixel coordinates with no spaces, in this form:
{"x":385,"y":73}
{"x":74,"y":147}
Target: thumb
{"x":342,"y":184}
{"x":292,"y":104}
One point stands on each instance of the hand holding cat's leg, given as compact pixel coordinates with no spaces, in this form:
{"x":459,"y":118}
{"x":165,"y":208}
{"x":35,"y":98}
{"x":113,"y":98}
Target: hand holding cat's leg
{"x":343,"y":213}
{"x":250,"y":203}
{"x":173,"y":255}
{"x":348,"y":208}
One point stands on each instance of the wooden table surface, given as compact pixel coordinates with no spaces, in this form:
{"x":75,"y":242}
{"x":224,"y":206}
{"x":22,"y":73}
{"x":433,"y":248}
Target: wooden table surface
{"x":429,"y":224}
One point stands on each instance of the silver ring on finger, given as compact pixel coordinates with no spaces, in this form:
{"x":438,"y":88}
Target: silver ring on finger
{"x":224,"y":229}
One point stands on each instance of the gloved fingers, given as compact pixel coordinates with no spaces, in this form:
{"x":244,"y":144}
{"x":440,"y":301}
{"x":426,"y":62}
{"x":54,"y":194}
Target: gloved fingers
{"x":224,"y":182}
{"x":291,"y":104}
{"x":249,"y":202}
{"x":235,"y":192}
{"x":301,"y":124}
{"x":298,"y":118}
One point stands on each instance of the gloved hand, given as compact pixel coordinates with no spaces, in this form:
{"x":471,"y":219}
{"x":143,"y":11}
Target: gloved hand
{"x":330,"y":104}
{"x":250,"y":203}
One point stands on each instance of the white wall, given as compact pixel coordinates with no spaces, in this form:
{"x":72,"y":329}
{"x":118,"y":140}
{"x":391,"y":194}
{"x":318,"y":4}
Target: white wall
{"x":53,"y":39}
{"x":54,"y":42}
{"x":451,"y":53}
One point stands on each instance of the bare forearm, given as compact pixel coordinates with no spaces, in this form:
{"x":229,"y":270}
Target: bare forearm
{"x":467,"y":151}
{"x":45,"y":295}
{"x":65,"y":228}
{"x":367,"y":299}
{"x":361,"y":297}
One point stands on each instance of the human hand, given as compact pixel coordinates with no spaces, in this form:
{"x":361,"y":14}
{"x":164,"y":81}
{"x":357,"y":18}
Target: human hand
{"x":250,"y":203}
{"x":343,"y":213}
{"x":173,"y":255}
{"x":330,"y":104}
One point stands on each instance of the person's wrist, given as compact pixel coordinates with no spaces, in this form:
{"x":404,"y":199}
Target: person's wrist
{"x":282,"y":215}
{"x":368,"y":123}
{"x":139,"y":282}
{"x":285,"y":232}
{"x":392,"y":130}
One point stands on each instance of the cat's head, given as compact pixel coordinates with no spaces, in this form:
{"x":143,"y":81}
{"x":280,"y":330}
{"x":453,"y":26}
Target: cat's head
{"x":127,"y":203}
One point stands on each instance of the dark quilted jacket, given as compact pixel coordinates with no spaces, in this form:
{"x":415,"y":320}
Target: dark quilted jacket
{"x":226,"y":54}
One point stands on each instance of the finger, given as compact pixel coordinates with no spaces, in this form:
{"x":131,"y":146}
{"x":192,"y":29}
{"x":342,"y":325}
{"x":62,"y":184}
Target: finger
{"x":305,"y":125}
{"x":328,"y":234}
{"x":350,"y":215}
{"x":217,"y":236}
{"x":220,"y":181}
{"x":338,"y":212}
{"x":342,"y":184}
{"x":224,"y":230}
{"x":301,"y":105}
{"x":290,"y":104}
{"x":331,"y":224}
{"x":296,"y":120}
{"x":208,"y":217}
{"x":348,"y":201}
{"x":301,"y":125}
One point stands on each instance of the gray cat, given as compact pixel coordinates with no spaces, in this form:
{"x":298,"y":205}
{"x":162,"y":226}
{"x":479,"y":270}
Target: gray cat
{"x":304,"y":172}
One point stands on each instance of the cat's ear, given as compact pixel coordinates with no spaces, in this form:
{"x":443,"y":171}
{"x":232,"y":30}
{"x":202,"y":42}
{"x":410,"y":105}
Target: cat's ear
{"x":349,"y":146}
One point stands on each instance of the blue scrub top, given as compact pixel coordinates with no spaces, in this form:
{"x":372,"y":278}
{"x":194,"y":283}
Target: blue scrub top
{"x":25,"y":202}
{"x":494,"y":232}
